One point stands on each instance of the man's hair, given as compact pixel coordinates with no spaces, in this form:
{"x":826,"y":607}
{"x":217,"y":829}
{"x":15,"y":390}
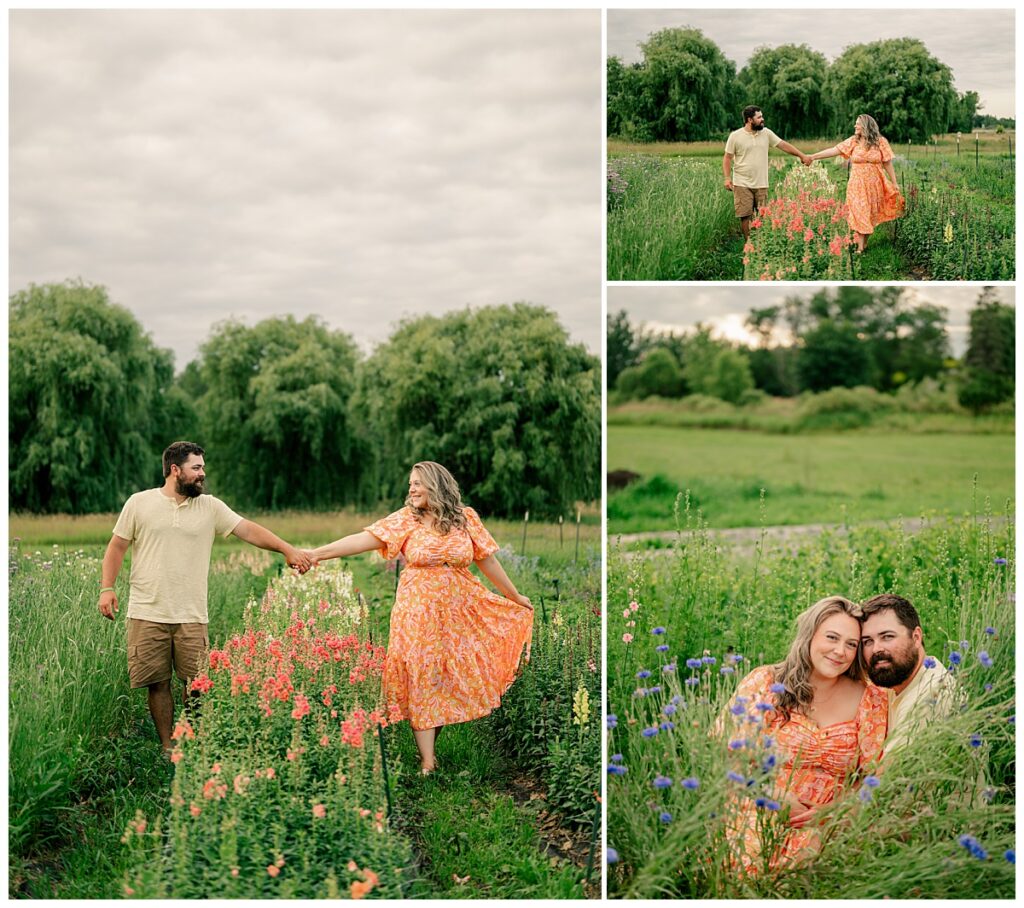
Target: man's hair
{"x":749,"y":111}
{"x":177,"y":453}
{"x":905,"y":613}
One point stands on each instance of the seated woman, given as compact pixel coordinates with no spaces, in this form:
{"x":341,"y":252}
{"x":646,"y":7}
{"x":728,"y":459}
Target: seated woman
{"x":816,"y":721}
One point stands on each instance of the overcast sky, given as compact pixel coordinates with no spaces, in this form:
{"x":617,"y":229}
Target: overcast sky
{"x":664,"y":308}
{"x":361,"y":166}
{"x":977,"y":44}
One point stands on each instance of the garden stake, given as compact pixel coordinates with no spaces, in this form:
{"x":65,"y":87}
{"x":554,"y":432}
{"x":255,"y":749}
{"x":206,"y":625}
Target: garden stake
{"x":594,"y":830}
{"x":543,"y":611}
{"x":976,"y":165}
{"x":576,"y":557}
{"x":526,"y":520}
{"x":384,"y":767}
{"x":561,"y":540}
{"x":558,"y":590}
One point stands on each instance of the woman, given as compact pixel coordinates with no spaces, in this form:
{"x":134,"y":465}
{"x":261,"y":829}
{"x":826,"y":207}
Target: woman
{"x":872,"y":193}
{"x":454,"y":646}
{"x":820,"y":728}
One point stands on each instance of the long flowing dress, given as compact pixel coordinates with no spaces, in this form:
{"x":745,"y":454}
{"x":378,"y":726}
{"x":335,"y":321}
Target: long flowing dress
{"x":871,"y":198}
{"x":811,"y":763}
{"x":454,"y":647}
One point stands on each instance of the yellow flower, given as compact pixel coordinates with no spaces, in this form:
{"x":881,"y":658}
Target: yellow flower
{"x":581,"y":706}
{"x":947,"y":234}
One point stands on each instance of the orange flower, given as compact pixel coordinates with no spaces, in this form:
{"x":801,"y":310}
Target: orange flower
{"x":272,"y":870}
{"x":195,"y":809}
{"x":319,"y":811}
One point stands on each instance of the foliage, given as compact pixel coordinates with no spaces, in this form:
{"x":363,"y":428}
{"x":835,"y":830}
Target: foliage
{"x":90,"y":399}
{"x":658,"y":373}
{"x":621,"y":346}
{"x":990,"y":357}
{"x":790,"y":79}
{"x":274,"y":413}
{"x":498,"y":395}
{"x":694,"y":622}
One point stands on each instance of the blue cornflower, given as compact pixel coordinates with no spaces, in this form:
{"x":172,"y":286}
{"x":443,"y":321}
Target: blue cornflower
{"x":616,"y":758}
{"x":654,"y":690}
{"x":988,"y":687}
{"x":955,"y":658}
{"x":999,"y":561}
{"x":643,"y":673}
{"x":737,"y":743}
{"x":662,"y":782}
{"x":665,"y":817}
{"x":693,"y":663}
{"x":777,"y":688}
{"x":611,"y":856}
{"x":667,"y":726}
{"x":985,"y":659}
{"x":691,"y":681}
{"x":991,"y":631}
{"x":737,"y":710}
{"x":657,"y":631}
{"x":1012,"y":720}
{"x":1010,"y":855}
{"x":708,"y":660}
{"x":663,"y":648}
{"x":678,"y":698}
{"x":929,"y":662}
{"x":616,"y":770}
{"x":760,"y":802}
{"x":640,"y":692}
{"x":763,"y":706}
{"x":872,"y":781}
{"x":976,"y":740}
{"x":965,"y":645}
{"x":650,"y":732}
{"x":865,"y":795}
{"x":727,"y":670}
{"x":768,"y":742}
{"x":768,"y":763}
{"x":692,"y":783}
{"x":772,"y":805}
{"x":611,"y":720}
{"x":973,"y":846}
{"x":734,"y":776}
{"x":735,"y":658}
{"x":671,"y":667}
{"x":668,"y":709}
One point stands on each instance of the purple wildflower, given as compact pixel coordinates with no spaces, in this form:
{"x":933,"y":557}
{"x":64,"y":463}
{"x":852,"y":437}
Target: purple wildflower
{"x":692,"y":783}
{"x":662,"y":782}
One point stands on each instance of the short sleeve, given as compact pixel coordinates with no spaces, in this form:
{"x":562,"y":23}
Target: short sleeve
{"x":872,"y":726}
{"x":483,"y":542}
{"x":126,"y":522}
{"x":392,"y":531}
{"x":224,"y":519}
{"x":883,"y":147}
{"x":773,"y":139}
{"x":730,"y":144}
{"x":846,"y":147}
{"x":749,"y":705}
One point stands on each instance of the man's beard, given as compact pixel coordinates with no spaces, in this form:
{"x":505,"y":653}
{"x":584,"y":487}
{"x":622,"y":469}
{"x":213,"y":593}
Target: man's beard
{"x":757,"y":127}
{"x":898,"y":669}
{"x":189,"y":489}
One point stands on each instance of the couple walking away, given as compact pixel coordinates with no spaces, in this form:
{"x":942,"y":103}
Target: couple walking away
{"x":827,"y":724}
{"x":454,"y":647}
{"x":872,"y":193}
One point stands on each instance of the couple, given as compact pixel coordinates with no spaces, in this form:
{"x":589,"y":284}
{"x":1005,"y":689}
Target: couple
{"x":872,"y":192}
{"x":827,"y":725}
{"x":454,"y":646}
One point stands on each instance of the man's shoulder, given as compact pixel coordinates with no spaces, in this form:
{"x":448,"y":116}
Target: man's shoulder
{"x":142,"y":497}
{"x":737,"y":134}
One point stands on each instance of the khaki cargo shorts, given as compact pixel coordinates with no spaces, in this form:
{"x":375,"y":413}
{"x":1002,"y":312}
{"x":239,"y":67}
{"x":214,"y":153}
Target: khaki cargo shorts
{"x":154,"y":647}
{"x":748,"y":200}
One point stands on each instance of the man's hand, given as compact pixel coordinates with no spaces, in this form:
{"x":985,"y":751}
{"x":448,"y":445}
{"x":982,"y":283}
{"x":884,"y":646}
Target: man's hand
{"x":108,"y":604}
{"x":297,"y":559}
{"x":728,"y":185}
{"x":807,"y":159}
{"x":314,"y":559}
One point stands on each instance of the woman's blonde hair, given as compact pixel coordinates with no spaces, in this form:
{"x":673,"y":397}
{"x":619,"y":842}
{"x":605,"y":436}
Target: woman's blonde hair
{"x":443,"y":498}
{"x":871,"y":132}
{"x":795,"y":670}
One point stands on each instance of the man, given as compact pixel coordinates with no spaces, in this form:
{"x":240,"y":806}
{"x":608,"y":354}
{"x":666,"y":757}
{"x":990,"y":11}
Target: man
{"x":892,"y":646}
{"x":172,"y":529}
{"x":745,"y":164}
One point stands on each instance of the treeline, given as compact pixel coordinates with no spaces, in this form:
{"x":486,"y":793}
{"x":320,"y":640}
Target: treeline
{"x":686,"y":90}
{"x":847,"y":337}
{"x":292,"y":415}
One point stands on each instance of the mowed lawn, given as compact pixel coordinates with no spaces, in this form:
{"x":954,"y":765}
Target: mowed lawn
{"x":811,"y":478}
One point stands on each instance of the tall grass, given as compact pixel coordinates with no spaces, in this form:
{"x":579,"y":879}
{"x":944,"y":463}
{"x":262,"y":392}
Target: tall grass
{"x":728,"y":615}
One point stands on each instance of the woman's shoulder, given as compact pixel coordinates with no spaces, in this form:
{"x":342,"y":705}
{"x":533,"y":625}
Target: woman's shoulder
{"x":761,"y":677}
{"x":875,"y":697}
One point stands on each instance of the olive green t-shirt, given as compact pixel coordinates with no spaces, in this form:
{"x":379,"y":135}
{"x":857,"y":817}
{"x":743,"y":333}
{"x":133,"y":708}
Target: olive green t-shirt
{"x":171,"y":545}
{"x":750,"y":156}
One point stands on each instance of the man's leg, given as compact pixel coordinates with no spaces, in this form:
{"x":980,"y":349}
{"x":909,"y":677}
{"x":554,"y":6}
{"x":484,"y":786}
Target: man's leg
{"x":161,"y":708}
{"x":745,"y":227}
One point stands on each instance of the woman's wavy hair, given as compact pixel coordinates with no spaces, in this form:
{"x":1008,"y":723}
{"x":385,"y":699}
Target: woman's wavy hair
{"x":795,"y":670}
{"x":443,"y":497}
{"x":871,"y":131}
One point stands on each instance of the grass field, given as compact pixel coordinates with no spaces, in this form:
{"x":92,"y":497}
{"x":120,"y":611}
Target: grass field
{"x":85,"y":759}
{"x":669,"y":217}
{"x":811,"y":478}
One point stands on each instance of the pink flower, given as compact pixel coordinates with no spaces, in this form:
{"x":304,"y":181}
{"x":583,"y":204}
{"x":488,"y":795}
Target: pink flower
{"x":627,"y":638}
{"x":626,"y":613}
{"x":272,"y":870}
{"x":808,"y":235}
{"x":319,"y":811}
{"x":195,"y":809}
{"x":301,"y":707}
{"x":634,"y":606}
{"x":270,"y":772}
{"x":176,"y":756}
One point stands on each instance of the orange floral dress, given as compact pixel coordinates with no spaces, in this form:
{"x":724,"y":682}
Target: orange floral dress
{"x":870,"y":197}
{"x":812,"y":764}
{"x":454,"y":646}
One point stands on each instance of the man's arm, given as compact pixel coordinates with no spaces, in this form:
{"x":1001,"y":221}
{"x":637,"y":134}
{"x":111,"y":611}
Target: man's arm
{"x":789,"y":149}
{"x":727,"y":170}
{"x":262,"y":538}
{"x":113,"y":558}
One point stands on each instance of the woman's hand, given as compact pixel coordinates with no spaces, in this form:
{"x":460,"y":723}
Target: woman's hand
{"x":520,"y":599}
{"x":801,"y":813}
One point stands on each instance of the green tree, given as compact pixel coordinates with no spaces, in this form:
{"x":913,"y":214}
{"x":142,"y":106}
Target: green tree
{"x":832,"y":354}
{"x":989,"y":360}
{"x":968,"y":105}
{"x":898,"y":82}
{"x":715,"y":368}
{"x":788,"y":83}
{"x":657,"y":373}
{"x":621,"y":345}
{"x":274,"y":416}
{"x":499,"y":396}
{"x":91,"y":406}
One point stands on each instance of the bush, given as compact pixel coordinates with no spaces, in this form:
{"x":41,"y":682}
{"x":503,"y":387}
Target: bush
{"x":843,"y":408}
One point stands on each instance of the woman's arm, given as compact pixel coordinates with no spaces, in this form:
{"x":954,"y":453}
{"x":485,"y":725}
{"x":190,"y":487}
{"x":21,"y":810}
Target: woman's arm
{"x":355,"y":544}
{"x":826,"y":153}
{"x":493,"y":571}
{"x":891,"y":173}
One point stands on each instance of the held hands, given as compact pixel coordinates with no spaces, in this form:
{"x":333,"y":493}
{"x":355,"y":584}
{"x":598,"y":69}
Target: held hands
{"x":807,"y":159}
{"x":108,"y":604}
